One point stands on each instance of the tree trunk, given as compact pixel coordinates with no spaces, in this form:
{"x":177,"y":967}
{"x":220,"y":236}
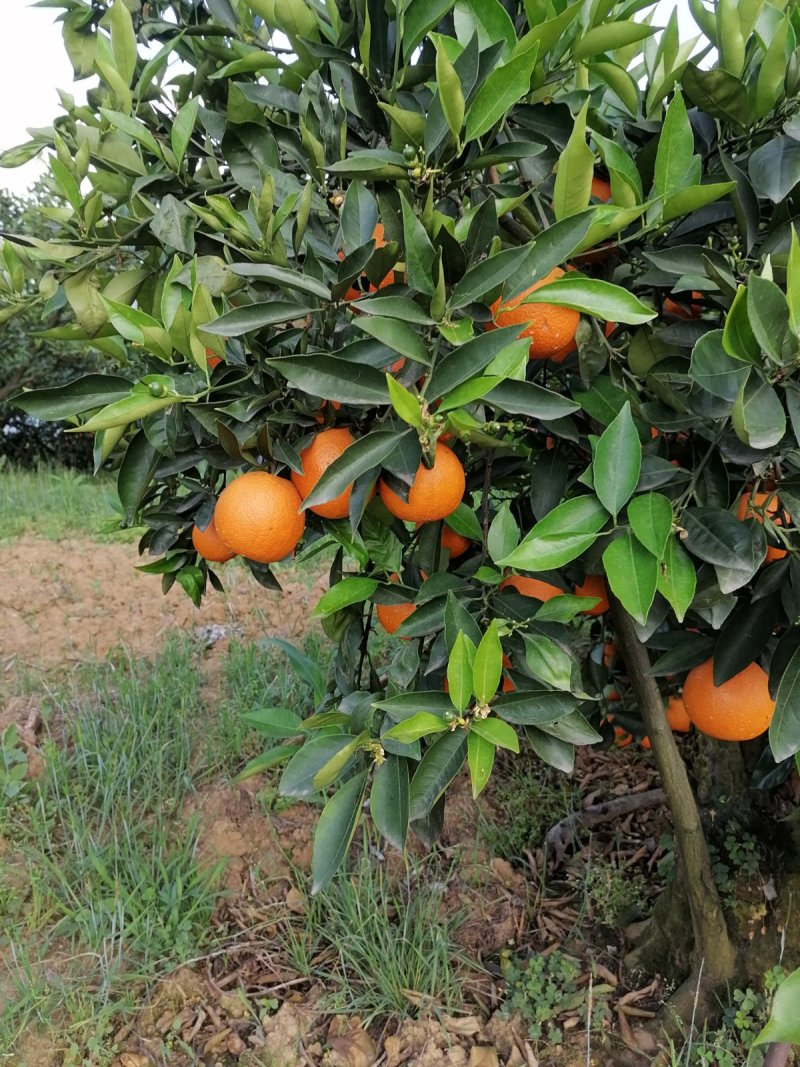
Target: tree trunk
{"x":713,"y":955}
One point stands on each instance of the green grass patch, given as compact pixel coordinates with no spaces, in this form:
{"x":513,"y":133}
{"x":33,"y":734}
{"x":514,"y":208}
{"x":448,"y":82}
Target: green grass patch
{"x":58,"y":503}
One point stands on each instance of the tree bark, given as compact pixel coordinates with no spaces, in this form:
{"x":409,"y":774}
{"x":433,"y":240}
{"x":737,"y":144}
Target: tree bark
{"x":712,"y":945}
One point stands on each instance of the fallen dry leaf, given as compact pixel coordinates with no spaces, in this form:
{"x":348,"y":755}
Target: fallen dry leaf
{"x":464,"y":1026}
{"x":393,"y":1047}
{"x":216,"y":1041}
{"x":483,"y":1056}
{"x":296,"y":901}
{"x":131,"y":1059}
{"x":355,"y":1050}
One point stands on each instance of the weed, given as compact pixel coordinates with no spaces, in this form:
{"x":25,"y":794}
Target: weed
{"x":13,"y":764}
{"x":527,"y":798}
{"x":616,"y":896}
{"x":540,"y":989}
{"x":381,"y":938}
{"x":731,"y":1044}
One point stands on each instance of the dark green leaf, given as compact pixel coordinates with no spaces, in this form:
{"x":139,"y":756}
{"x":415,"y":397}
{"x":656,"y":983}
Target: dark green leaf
{"x":504,"y":86}
{"x":534,"y":707}
{"x":561,"y":536}
{"x":714,"y":370}
{"x":768,"y":314}
{"x":398,"y":335}
{"x":650,"y":516}
{"x":470,"y":359}
{"x":559,"y":754}
{"x":79,"y":395}
{"x":135,"y":474}
{"x":673,"y":165}
{"x":480,"y":758}
{"x":527,"y":398}
{"x":335,"y":830}
{"x":253,"y":317}
{"x":298,"y":775}
{"x":743,"y":637}
{"x":717,"y":93}
{"x":388,"y":800}
{"x":334,"y":379}
{"x":617,"y":461}
{"x":774,"y":168}
{"x":274,"y":722}
{"x":343,"y":594}
{"x":758,"y":417}
{"x":438,"y":767}
{"x":292,"y":279}
{"x":784,"y":731}
{"x":738,"y":338}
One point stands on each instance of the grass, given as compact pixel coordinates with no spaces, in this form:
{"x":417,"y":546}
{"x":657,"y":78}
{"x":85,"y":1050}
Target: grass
{"x":56,"y":504}
{"x":101,"y":884}
{"x":381,"y":946}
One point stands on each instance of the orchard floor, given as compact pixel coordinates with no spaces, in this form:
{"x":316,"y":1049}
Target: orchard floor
{"x":153,"y":912}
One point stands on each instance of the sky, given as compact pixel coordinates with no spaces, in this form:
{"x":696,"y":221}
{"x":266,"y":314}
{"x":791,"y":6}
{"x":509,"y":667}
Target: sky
{"x":33,"y":65}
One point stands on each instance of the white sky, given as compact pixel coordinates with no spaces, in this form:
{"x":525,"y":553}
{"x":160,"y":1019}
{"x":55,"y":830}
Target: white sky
{"x":33,"y":64}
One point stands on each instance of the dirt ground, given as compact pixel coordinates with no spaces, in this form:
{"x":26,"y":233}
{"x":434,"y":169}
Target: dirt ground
{"x":70,"y":602}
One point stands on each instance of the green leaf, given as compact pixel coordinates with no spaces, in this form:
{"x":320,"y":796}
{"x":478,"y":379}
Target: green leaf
{"x":632,"y":573}
{"x":343,"y":594}
{"x":534,"y":707}
{"x":365,"y":454}
{"x":736,"y":548}
{"x":768,"y":315}
{"x":471,"y":358}
{"x":743,"y":636}
{"x":135,"y":474}
{"x":758,"y":417}
{"x":575,"y":170}
{"x":593,"y":297}
{"x":393,"y":307}
{"x":485,"y":276}
{"x":562,"y":535}
{"x":404,"y":705}
{"x":559,"y":754}
{"x":772,"y":75}
{"x":291,"y":279}
{"x":123,"y":412}
{"x":548,"y":661}
{"x":378,"y":164}
{"x":298,"y":776}
{"x":675,"y":155}
{"x":436,"y":770}
{"x":420,"y":725}
{"x":388,"y":800}
{"x":275,"y":722}
{"x":459,"y":671}
{"x":464,"y":521}
{"x":266,"y":760}
{"x":718,"y":93}
{"x":451,"y":95}
{"x":496,"y":732}
{"x":399,"y":336}
{"x":774,"y":168}
{"x":738,"y":338}
{"x":480,"y":759}
{"x":420,"y":254}
{"x":123,"y":41}
{"x":677,"y":578}
{"x":487,"y":18}
{"x":81,"y":394}
{"x":503,"y":535}
{"x":254,"y":317}
{"x":784,"y":1021}
{"x":693,"y":197}
{"x":487,"y":668}
{"x":335,"y":830}
{"x":574,"y":729}
{"x":610,"y":36}
{"x":183,"y":127}
{"x":334,"y":379}
{"x":650,"y":516}
{"x":621,"y":83}
{"x":553,"y":246}
{"x":714,"y":370}
{"x":503,"y":88}
{"x":404,"y":403}
{"x":174,"y":224}
{"x":527,"y":398}
{"x":626,"y":182}
{"x":617,"y":462}
{"x":420,"y":17}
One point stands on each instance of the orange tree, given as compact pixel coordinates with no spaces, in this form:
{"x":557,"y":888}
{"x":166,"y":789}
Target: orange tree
{"x":517,"y":274}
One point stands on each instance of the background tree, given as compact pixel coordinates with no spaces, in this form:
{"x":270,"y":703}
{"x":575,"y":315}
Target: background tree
{"x":361,"y":216}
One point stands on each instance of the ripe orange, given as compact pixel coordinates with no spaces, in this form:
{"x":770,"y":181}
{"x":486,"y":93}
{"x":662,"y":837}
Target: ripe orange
{"x":507,"y":685}
{"x":435,"y":493}
{"x":621,"y":737}
{"x":549,"y":327}
{"x":212,"y":360}
{"x":390,"y":616}
{"x":593,"y":585}
{"x":363,"y":285}
{"x":736,"y":711}
{"x":753,"y":507}
{"x":210,"y":545}
{"x":320,"y":416}
{"x":601,"y":189}
{"x":325,"y":447}
{"x":683,"y":311}
{"x":609,"y":654}
{"x":645,"y":742}
{"x":455,"y":544}
{"x":678,"y":716}
{"x":533,"y":587}
{"x":258,"y":516}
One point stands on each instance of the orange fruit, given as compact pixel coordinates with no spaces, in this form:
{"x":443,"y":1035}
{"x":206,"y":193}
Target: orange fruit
{"x":738,"y":710}
{"x":507,"y":686}
{"x":390,"y":616}
{"x":259,"y":516}
{"x":753,"y":507}
{"x":533,"y":587}
{"x":363,"y":285}
{"x":645,"y":742}
{"x":435,"y":493}
{"x":210,"y":545}
{"x":678,"y":716}
{"x":455,"y":544}
{"x":212,"y":360}
{"x":609,"y":652}
{"x":325,"y":447}
{"x":593,"y":585}
{"x":601,"y":189}
{"x":622,"y":737}
{"x":550,"y":328}
{"x":320,"y":416}
{"x":684,"y":311}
